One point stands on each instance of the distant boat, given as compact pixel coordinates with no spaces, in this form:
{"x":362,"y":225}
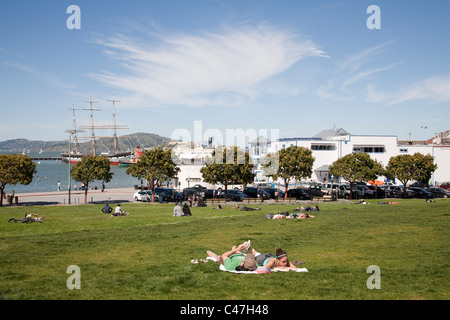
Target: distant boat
{"x":134,"y":159}
{"x":116,"y":157}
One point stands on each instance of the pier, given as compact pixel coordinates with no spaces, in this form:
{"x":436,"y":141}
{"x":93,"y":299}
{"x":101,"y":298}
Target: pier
{"x":46,"y":158}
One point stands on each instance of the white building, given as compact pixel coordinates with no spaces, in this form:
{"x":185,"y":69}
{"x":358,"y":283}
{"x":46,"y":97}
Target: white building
{"x":330,"y":145}
{"x":190,"y":158}
{"x":327,"y":146}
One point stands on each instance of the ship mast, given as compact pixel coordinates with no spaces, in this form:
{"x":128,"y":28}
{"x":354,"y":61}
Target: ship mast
{"x":75,"y":128}
{"x":92,"y":122}
{"x":113,"y":100}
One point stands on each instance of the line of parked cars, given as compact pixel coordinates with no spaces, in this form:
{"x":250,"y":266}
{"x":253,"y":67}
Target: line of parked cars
{"x":360,"y":191}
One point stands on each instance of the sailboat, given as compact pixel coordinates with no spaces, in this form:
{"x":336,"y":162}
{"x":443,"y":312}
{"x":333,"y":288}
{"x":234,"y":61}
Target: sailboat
{"x":115,"y":157}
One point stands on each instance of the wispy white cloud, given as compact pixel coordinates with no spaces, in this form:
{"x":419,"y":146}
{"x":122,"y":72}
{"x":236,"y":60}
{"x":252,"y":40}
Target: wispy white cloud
{"x":39,"y":74}
{"x":435,"y":88}
{"x":204,"y":69}
{"x":354,"y":69}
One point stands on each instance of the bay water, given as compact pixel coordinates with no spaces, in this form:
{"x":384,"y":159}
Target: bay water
{"x":49,"y":172}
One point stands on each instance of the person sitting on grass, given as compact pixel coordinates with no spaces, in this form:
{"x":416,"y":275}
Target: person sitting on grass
{"x":186,"y":210}
{"x":235,"y":259}
{"x":118,"y":211}
{"x":177,"y":212}
{"x":107,"y":208}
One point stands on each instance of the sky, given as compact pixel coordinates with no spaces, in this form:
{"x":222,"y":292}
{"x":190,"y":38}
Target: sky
{"x":296,"y":67}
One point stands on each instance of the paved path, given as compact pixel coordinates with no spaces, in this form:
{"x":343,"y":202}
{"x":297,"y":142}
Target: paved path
{"x":76,"y":197}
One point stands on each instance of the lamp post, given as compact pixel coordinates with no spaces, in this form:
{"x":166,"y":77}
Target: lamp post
{"x":70,"y":132}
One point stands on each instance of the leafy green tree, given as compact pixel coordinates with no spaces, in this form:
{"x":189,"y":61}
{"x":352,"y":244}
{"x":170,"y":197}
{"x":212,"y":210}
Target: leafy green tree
{"x":228,"y":166}
{"x":91,"y":168}
{"x":156,"y":166}
{"x":293,"y":162}
{"x":406,"y":167}
{"x":356,"y":167}
{"x":425,"y":167}
{"x":14,"y":169}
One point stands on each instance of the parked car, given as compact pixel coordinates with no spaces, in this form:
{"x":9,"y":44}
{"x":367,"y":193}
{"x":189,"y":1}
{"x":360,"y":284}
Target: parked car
{"x":363,"y":191}
{"x":145,"y":195}
{"x":316,"y":190}
{"x":236,"y":195}
{"x":142,"y":196}
{"x":378,"y":191}
{"x":272,"y":191}
{"x":421,"y":193}
{"x":170,"y":194}
{"x":209,"y":194}
{"x":187,"y":192}
{"x":439,"y":192}
{"x":445,"y":185}
{"x":394,"y":191}
{"x":256,"y":192}
{"x":299,"y":194}
{"x":343,"y":191}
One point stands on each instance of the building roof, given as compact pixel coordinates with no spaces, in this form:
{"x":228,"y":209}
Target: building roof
{"x":335,"y":132}
{"x":260,"y":140}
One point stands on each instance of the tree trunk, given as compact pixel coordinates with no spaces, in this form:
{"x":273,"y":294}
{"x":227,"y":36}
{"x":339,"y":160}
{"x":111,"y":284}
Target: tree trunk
{"x":86,"y":186}
{"x":350,"y":196}
{"x":1,"y":194}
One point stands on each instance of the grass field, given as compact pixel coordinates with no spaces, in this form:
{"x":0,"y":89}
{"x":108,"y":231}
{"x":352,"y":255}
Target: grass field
{"x":147,"y":254}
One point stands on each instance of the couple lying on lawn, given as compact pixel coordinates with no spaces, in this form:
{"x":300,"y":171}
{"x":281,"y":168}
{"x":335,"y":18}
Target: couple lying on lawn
{"x":236,"y":260}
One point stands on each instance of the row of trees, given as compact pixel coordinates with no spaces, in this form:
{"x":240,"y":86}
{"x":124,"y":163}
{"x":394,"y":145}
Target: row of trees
{"x":297,"y":162}
{"x":231,"y":166}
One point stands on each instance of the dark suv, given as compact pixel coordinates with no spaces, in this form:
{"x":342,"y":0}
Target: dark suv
{"x":256,"y":192}
{"x":299,"y":194}
{"x":272,"y":191}
{"x":236,"y":195}
{"x":170,"y":194}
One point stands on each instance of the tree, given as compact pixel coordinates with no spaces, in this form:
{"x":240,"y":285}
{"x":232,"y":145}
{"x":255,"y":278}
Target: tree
{"x":14,"y":169}
{"x":228,"y":166}
{"x":293,"y":162}
{"x":356,"y":167}
{"x":91,"y":168}
{"x":156,"y":166}
{"x":406,"y":167}
{"x":425,"y":167}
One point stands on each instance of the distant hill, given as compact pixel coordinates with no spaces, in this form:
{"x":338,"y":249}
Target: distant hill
{"x":126,"y":142}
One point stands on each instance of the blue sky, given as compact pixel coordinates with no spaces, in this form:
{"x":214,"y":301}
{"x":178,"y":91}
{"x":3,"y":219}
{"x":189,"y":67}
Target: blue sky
{"x":297,"y":66}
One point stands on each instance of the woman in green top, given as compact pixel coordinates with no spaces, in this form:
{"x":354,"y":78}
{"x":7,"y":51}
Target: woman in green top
{"x":235,"y":259}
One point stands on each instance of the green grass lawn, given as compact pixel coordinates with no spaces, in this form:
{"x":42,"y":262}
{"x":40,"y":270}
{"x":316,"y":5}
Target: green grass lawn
{"x":147,"y":254}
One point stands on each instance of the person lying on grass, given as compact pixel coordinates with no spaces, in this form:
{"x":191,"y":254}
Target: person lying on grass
{"x":278,"y":260}
{"x":308,"y":208}
{"x":290,"y":216}
{"x":235,"y":260}
{"x":28,"y":218}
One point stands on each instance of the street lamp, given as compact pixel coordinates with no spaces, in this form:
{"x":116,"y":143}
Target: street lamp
{"x":70,"y":132}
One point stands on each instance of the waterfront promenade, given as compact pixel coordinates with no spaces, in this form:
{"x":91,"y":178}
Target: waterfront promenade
{"x":116,"y":195}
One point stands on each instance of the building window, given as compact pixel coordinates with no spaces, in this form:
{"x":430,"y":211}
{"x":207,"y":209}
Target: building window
{"x":404,"y":150}
{"x":369,"y":149}
{"x":323,"y":147}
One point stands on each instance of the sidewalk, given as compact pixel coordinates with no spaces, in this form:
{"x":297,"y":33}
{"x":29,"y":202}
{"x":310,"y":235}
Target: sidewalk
{"x":76,"y":197}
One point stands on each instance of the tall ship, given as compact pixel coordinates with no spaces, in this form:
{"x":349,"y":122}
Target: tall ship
{"x":114,"y":158}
